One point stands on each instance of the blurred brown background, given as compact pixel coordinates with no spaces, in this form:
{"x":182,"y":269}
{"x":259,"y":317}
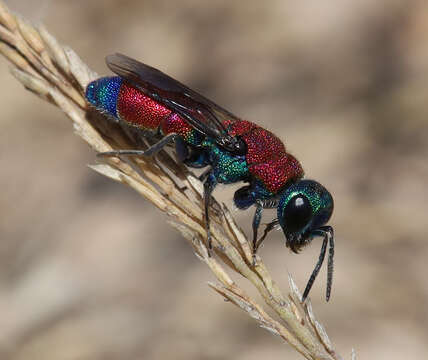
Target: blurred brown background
{"x":88,"y":270}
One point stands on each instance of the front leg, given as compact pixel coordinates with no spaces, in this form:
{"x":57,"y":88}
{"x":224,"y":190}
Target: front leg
{"x":269,"y":227}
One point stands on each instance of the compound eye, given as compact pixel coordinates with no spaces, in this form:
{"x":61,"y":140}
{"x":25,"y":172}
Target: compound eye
{"x":240,"y":147}
{"x":297,"y":213}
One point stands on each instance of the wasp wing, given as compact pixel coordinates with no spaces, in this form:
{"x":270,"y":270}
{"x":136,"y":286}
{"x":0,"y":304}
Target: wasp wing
{"x":200,"y":112}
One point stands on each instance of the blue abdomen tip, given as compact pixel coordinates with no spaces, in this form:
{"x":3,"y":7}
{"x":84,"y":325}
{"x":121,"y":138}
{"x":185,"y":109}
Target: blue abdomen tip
{"x":102,"y":93}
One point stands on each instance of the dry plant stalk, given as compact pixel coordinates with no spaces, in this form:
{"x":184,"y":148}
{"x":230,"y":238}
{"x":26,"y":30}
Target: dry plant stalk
{"x":56,"y":74}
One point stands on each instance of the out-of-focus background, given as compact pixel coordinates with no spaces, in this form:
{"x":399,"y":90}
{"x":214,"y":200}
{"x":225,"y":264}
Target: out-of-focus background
{"x":88,"y":270}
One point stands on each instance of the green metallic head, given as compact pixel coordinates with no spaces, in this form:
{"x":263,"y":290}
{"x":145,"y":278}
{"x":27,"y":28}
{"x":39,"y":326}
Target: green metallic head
{"x":303,"y":209}
{"x":303,"y":212}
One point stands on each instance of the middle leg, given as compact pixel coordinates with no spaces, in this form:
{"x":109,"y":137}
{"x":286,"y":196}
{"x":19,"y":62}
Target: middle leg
{"x":256,"y":223}
{"x":209,"y":186}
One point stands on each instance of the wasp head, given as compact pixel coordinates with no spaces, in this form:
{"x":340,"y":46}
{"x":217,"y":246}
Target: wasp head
{"x":303,"y":209}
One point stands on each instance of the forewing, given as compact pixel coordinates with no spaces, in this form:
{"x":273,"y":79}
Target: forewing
{"x":200,"y":112}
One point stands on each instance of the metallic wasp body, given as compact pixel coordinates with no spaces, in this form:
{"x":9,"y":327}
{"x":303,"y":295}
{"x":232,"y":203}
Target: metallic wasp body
{"x":234,"y":150}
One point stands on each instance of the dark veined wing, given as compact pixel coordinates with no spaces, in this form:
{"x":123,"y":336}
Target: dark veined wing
{"x":200,"y":112}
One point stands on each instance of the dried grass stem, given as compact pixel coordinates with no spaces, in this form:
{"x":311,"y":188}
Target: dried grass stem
{"x":56,"y":74}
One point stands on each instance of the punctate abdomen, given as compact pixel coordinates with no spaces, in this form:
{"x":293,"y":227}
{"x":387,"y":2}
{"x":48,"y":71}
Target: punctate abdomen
{"x":121,"y":100}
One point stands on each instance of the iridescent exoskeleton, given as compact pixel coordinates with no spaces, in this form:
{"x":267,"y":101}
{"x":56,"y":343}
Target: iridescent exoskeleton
{"x":234,"y":150}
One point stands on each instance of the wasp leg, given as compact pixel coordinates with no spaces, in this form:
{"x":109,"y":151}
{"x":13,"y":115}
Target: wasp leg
{"x":256,"y":223}
{"x":269,"y":227}
{"x":152,"y":150}
{"x":181,"y":149}
{"x":197,"y":158}
{"x":330,"y":265}
{"x":204,"y":175}
{"x":326,"y":232}
{"x":209,"y":186}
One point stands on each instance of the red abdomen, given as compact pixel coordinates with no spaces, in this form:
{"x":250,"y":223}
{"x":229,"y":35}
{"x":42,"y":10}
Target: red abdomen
{"x":139,"y":110}
{"x":266,"y":157}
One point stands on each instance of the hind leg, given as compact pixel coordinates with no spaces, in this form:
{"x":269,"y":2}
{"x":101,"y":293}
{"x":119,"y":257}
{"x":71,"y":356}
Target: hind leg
{"x":152,"y":150}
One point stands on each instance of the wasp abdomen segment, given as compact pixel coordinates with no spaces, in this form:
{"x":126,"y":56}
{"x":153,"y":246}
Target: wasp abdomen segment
{"x":139,"y":110}
{"x":117,"y":98}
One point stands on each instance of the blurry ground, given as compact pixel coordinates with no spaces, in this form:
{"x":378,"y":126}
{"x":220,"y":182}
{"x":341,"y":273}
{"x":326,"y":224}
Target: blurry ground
{"x":88,"y":270}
